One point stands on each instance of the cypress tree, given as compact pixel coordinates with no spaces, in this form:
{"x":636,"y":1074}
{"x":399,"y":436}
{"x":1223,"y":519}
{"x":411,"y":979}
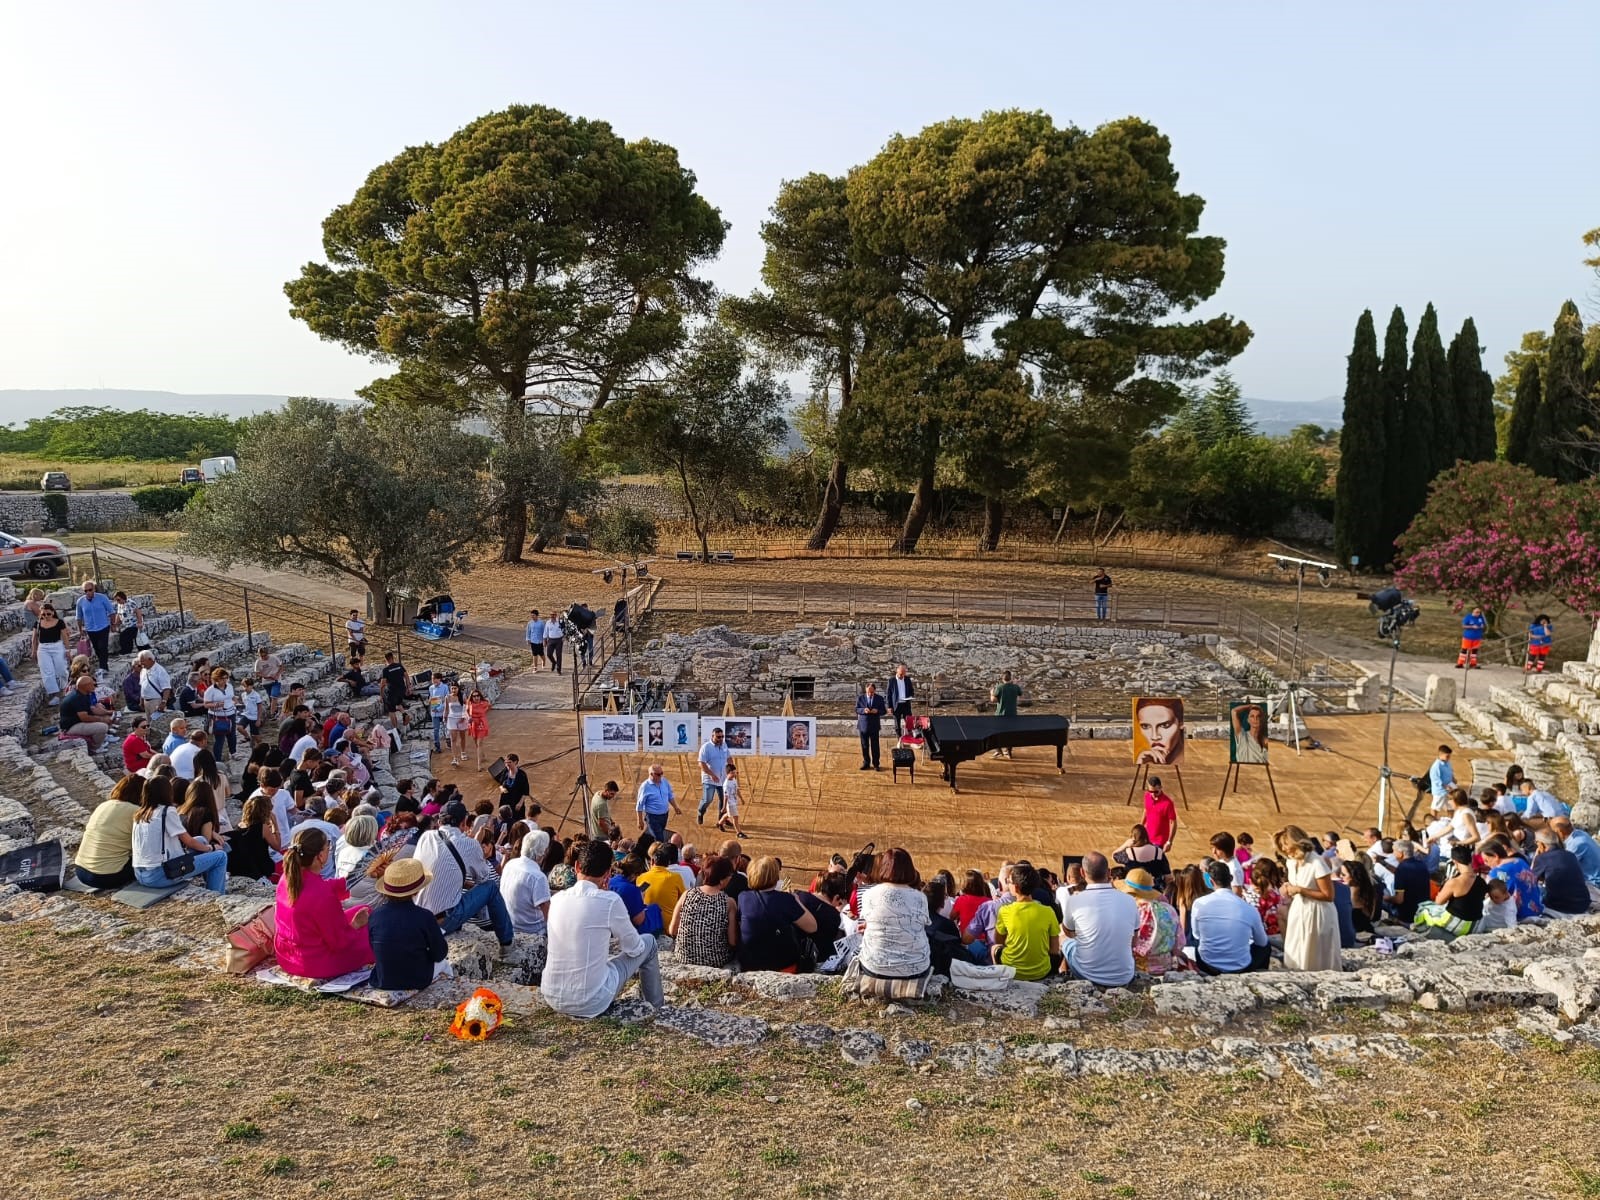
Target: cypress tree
{"x":1398,"y":461}
{"x":1474,"y":395}
{"x":1524,"y":417}
{"x":1358,"y":524}
{"x":1428,"y":361}
{"x":1421,"y":432}
{"x":1569,"y":447}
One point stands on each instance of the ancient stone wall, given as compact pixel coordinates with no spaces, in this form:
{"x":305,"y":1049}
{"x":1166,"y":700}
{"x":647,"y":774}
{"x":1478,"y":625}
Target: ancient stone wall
{"x":24,"y":512}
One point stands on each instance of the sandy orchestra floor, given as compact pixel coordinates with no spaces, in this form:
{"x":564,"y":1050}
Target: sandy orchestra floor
{"x":1020,"y":807}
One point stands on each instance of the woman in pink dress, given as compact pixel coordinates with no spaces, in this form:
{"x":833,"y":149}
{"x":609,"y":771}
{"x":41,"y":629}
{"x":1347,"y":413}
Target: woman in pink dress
{"x":478,"y":721}
{"x":317,"y":937}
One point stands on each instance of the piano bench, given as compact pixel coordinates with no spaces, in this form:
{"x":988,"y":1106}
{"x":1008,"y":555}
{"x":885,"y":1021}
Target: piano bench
{"x":903,"y":757}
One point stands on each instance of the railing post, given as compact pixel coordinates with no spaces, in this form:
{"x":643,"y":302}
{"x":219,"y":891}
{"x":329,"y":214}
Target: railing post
{"x":333,"y":646}
{"x":249,"y":630}
{"x":94,"y":559}
{"x":177,"y":585}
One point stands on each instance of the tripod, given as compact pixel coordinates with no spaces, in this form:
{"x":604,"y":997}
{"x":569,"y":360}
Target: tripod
{"x":1294,"y":692}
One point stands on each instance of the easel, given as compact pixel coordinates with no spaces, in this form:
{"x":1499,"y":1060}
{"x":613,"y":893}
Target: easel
{"x":671,"y":706}
{"x":1141,"y":774}
{"x":623,"y":769}
{"x":1234,"y":772}
{"x":788,"y":711}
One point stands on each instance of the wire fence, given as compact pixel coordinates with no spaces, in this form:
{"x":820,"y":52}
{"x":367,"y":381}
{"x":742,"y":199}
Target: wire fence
{"x":254,"y":610}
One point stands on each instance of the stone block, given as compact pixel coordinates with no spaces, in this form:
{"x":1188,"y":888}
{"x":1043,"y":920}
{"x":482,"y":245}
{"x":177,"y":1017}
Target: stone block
{"x":1440,"y":694}
{"x":721,"y":1029}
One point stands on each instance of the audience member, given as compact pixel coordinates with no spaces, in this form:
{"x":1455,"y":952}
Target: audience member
{"x":582,"y":975}
{"x":318,"y":938}
{"x":705,"y":922}
{"x":894,"y":915}
{"x":1100,"y":923}
{"x":407,"y":947}
{"x":1229,"y":935}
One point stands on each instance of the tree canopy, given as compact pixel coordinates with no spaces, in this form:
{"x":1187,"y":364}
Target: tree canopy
{"x":90,"y":434}
{"x":531,"y":256}
{"x":1358,"y":520}
{"x":393,"y":499}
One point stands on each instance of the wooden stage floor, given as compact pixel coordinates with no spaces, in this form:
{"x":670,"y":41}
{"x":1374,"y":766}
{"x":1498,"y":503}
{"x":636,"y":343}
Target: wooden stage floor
{"x":1006,"y":808}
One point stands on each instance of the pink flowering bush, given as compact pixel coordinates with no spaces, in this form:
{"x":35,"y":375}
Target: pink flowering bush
{"x":1493,"y":534}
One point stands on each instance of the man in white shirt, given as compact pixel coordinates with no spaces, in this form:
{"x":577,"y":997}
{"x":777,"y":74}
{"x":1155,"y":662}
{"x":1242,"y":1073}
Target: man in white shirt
{"x":900,"y":692}
{"x":1228,"y":934}
{"x":524,"y":886}
{"x":1100,"y":922}
{"x":183,"y":756}
{"x":554,"y":636}
{"x":713,"y":768}
{"x":155,"y":685}
{"x":1542,"y":806}
{"x":463,"y":884}
{"x":307,"y":741}
{"x":582,"y":976}
{"x":356,"y":635}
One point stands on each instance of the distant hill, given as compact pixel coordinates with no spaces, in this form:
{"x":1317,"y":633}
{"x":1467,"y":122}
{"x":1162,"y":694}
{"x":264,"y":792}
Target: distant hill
{"x":19,"y":404}
{"x":1278,"y":417}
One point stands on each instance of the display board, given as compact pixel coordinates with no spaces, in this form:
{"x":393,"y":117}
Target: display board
{"x":671,"y":732}
{"x":611,"y":733}
{"x":1158,"y":731}
{"x":1247,"y":732}
{"x":788,"y":737}
{"x":738,"y":733}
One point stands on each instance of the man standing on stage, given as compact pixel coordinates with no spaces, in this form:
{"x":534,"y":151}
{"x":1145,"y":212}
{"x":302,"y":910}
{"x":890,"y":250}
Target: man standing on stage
{"x":1102,"y":593}
{"x":1005,"y":695}
{"x":1472,"y":628}
{"x":1160,"y":816}
{"x":870,"y":711}
{"x":901,"y":690}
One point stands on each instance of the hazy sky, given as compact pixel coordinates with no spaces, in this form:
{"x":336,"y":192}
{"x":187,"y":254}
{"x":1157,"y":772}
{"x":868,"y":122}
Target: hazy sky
{"x":168,"y":165}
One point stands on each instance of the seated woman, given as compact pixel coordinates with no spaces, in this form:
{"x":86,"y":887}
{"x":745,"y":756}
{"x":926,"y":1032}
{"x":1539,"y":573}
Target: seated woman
{"x":199,"y":813}
{"x":407,"y":946}
{"x":253,"y":843}
{"x":159,"y":837}
{"x":354,"y":853}
{"x":104,"y":859}
{"x":1159,"y":939}
{"x":136,"y":751}
{"x":705,"y":923}
{"x":317,"y":937}
{"x":1459,"y":906}
{"x":826,"y":903}
{"x":769,"y":921}
{"x":894,"y":944}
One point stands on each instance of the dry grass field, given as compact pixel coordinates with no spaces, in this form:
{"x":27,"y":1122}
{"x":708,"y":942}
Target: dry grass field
{"x":21,"y":473}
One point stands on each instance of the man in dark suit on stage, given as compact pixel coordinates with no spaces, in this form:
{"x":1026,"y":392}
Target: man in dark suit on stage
{"x":900,"y":691}
{"x":870,"y":711}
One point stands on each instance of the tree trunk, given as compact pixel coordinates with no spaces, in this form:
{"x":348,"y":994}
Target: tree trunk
{"x":994,"y":517}
{"x":919,"y":512}
{"x":833,"y":494}
{"x":540,"y":541}
{"x":513,"y":508}
{"x":694,"y":516}
{"x":832,"y":507}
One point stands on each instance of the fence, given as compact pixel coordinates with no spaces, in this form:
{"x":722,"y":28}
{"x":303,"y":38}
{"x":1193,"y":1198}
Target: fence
{"x":1027,"y":606}
{"x":1277,"y":642}
{"x":253,"y":610}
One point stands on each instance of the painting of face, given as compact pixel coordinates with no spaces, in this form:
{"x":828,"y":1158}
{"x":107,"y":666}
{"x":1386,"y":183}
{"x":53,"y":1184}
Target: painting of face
{"x":1158,"y":732}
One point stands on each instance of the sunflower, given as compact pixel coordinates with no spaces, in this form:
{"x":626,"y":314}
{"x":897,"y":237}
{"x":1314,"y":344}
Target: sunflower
{"x":477,"y":1017}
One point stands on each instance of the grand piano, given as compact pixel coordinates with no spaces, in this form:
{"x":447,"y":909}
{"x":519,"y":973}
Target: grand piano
{"x":953,"y":740}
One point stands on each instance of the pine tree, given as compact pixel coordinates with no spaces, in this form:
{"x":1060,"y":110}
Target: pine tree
{"x":1570,"y":451}
{"x":1525,"y":417}
{"x":1398,"y":461}
{"x":1214,"y":416}
{"x":1358,"y":526}
{"x":1421,"y":447}
{"x":1474,"y":395}
{"x":1431,"y":370}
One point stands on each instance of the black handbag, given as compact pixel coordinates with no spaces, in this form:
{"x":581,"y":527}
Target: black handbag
{"x":180,"y":867}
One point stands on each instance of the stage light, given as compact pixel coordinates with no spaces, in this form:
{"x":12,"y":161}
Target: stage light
{"x":1324,"y":577}
{"x":606,"y":574}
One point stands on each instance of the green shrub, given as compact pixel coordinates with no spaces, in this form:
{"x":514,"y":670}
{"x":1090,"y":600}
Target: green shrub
{"x":623,"y":532}
{"x":165,"y":499}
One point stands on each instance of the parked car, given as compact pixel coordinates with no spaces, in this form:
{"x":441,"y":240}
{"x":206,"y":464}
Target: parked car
{"x":191,"y":475}
{"x":55,"y":481}
{"x":214,"y":469}
{"x":35,"y":557}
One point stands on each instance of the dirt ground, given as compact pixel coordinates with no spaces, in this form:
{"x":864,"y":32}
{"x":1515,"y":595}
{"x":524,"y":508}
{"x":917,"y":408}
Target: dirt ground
{"x":182,"y":1084}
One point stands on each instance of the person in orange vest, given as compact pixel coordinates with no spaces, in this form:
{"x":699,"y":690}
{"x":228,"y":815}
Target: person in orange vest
{"x":1472,"y":626}
{"x":1540,"y":635}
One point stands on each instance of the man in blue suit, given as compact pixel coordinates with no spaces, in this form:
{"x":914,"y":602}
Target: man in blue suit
{"x":870,"y":711}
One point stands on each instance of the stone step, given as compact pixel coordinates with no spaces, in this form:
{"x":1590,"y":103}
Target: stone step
{"x":1485,"y":716}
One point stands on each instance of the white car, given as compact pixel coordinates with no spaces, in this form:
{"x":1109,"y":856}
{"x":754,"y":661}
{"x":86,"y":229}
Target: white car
{"x":35,"y":557}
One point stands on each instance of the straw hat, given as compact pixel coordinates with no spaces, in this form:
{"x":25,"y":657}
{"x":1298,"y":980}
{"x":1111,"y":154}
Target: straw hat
{"x":403,"y":878}
{"x":1140,"y":884}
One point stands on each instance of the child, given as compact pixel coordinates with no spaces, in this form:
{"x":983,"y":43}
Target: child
{"x":1499,"y":908}
{"x":730,"y":800}
{"x":249,"y":709}
{"x":1246,"y":848}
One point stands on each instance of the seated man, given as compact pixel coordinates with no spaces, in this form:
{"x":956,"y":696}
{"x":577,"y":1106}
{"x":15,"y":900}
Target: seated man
{"x":1583,"y":848}
{"x":1411,"y":883}
{"x":1539,"y":806}
{"x":1100,"y":922}
{"x":582,"y":975}
{"x":1566,"y":891}
{"x":463,"y":883}
{"x":83,"y":715}
{"x":1229,"y":937}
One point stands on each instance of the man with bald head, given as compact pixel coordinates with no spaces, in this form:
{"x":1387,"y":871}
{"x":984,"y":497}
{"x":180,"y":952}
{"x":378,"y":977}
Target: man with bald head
{"x":1583,"y":847}
{"x":1100,"y":923}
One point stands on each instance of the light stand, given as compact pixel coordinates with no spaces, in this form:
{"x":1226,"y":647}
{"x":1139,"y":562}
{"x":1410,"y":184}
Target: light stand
{"x":580,"y":789}
{"x":1394,"y":613}
{"x":1293,"y":691}
{"x":1384,"y":773}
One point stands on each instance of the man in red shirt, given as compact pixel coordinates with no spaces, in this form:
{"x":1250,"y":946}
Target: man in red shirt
{"x":1160,"y":816}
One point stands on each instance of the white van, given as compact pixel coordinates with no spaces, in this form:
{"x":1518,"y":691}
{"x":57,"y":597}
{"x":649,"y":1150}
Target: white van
{"x":212,"y":469}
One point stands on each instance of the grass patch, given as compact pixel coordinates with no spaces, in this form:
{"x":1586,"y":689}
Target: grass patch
{"x":780,"y":1156}
{"x":241,"y":1131}
{"x":282,"y":1164}
{"x":1251,"y":1128}
{"x":1290,"y":1018}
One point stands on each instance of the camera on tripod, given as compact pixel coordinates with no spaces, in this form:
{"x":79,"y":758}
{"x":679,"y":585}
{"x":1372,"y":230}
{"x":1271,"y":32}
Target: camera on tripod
{"x":1393,"y":610}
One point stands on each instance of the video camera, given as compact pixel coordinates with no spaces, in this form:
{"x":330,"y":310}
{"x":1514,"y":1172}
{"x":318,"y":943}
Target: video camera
{"x":1393,"y":610}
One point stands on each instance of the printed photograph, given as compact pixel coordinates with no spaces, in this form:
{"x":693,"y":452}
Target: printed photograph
{"x":1158,"y":733}
{"x":1247,"y":732}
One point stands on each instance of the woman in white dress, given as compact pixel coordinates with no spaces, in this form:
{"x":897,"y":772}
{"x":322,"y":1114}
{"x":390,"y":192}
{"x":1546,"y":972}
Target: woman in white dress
{"x":1311,"y":930}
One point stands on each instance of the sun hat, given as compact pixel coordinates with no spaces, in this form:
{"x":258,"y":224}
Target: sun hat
{"x":403,"y":878}
{"x":1140,"y":884}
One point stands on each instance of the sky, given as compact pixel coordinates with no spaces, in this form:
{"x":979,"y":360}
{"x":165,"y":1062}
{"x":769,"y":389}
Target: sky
{"x":169,"y":165}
